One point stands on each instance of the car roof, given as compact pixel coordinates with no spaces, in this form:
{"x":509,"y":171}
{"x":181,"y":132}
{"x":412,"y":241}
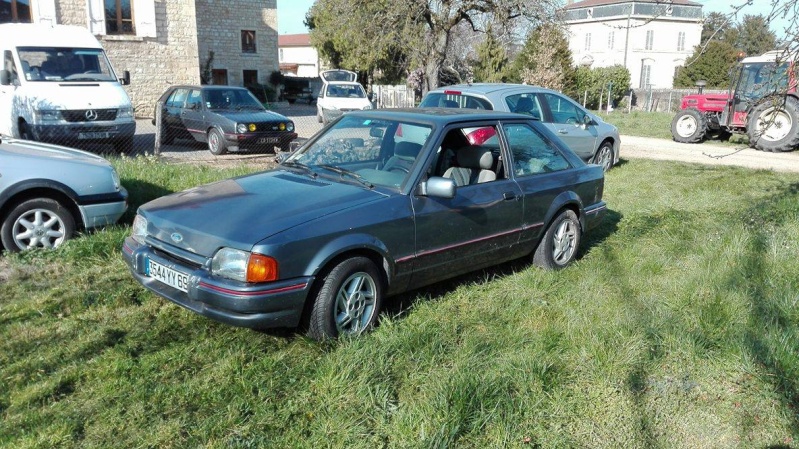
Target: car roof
{"x":490,"y":88}
{"x":438,"y":116}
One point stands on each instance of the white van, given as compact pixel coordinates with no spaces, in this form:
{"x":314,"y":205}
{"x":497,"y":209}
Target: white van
{"x":340,"y":93}
{"x":56,"y":85}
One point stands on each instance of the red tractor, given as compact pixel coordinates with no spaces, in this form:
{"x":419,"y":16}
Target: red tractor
{"x":763,"y":103}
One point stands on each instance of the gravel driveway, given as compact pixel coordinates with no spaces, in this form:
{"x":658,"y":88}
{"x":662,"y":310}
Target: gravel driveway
{"x":304,"y":116}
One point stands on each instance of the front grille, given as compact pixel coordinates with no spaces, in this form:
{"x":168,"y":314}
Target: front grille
{"x":268,"y":126}
{"x":80,"y":115}
{"x":174,"y":258}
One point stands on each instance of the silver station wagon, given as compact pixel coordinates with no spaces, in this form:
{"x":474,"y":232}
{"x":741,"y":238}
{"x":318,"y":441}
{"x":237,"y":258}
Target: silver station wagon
{"x":590,"y":137}
{"x":378,"y":203}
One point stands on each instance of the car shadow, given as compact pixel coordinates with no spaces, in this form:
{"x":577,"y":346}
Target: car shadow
{"x":139,"y":192}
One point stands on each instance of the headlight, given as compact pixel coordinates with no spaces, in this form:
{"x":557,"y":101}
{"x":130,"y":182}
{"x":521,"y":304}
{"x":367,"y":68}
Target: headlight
{"x":244,"y":266}
{"x":48,"y":115}
{"x":368,"y":106}
{"x":290,"y":126}
{"x":115,"y":178}
{"x":241,"y":128}
{"x":125,"y":112}
{"x":139,"y":229}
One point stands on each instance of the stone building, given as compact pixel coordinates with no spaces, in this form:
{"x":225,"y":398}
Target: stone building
{"x":651,"y":38}
{"x":166,"y":42}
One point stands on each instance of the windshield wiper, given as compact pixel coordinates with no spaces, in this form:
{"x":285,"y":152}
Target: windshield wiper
{"x":345,"y":172}
{"x":301,"y":166}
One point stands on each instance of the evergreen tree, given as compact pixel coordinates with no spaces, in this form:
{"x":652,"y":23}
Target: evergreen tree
{"x":754,"y":36}
{"x":492,"y":60}
{"x":712,"y":65}
{"x":545,"y":60}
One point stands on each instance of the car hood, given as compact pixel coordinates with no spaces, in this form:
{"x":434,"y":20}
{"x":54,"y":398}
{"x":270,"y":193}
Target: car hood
{"x":240,"y":212}
{"x":38,"y":151}
{"x":75,"y":95}
{"x":346,"y":103}
{"x":250,"y":115}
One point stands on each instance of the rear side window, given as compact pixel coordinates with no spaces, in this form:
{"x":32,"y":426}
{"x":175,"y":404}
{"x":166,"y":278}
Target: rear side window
{"x":454,"y":100}
{"x":532,"y":154}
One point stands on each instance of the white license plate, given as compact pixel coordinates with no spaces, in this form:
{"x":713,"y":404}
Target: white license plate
{"x":167,"y":275}
{"x":95,"y":135}
{"x":269,"y":140}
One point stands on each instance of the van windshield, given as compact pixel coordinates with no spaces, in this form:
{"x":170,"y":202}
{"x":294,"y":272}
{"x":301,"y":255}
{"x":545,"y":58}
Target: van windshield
{"x":64,"y":64}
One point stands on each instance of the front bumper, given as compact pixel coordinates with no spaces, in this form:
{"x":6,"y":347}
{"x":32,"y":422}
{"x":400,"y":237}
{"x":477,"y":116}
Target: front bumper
{"x":257,"y":140}
{"x":83,"y":131}
{"x":101,"y":213}
{"x":276,"y":304}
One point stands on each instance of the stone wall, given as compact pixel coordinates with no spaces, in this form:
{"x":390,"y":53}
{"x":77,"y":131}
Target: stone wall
{"x":219,"y":26}
{"x":154,"y":63}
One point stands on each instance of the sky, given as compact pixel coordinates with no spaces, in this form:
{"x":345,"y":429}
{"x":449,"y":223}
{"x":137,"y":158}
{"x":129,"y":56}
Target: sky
{"x":291,"y":13}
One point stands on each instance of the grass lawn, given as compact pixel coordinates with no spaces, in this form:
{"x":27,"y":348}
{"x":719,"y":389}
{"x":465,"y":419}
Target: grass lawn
{"x":678,"y":327}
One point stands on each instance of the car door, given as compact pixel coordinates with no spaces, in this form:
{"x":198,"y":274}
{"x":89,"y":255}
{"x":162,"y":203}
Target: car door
{"x":538,"y":167}
{"x":478,"y":227}
{"x":193,"y":115}
{"x":567,"y":120}
{"x":173,"y":108}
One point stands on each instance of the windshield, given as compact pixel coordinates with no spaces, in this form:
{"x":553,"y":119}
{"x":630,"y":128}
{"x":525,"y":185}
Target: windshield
{"x":374,"y":152}
{"x":65,"y":64}
{"x":230,"y":99}
{"x":345,"y":91}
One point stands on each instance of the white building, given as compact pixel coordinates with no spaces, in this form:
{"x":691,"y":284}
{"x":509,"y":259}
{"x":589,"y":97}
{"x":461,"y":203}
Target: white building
{"x":296,"y":55}
{"x":651,"y":38}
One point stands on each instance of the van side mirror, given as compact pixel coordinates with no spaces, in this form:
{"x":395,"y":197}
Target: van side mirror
{"x":125,"y":80}
{"x":5,"y":77}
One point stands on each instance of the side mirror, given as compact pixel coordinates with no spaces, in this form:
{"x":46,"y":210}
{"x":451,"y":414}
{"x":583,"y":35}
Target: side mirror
{"x":587,"y":120}
{"x":370,"y":96}
{"x":438,"y":187}
{"x":125,"y":80}
{"x":5,"y":78}
{"x":376,"y":132}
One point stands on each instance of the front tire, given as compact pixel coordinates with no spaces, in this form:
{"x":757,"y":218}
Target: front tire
{"x":124,"y":145}
{"x":216,"y":142}
{"x":25,"y":132}
{"x":774,"y":126}
{"x":689,"y":126}
{"x":604,"y":156}
{"x":37,"y":223}
{"x":348,"y":301}
{"x":558,"y":247}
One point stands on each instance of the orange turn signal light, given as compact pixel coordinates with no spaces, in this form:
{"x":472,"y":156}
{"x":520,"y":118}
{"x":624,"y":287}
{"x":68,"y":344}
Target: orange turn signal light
{"x":261,"y":268}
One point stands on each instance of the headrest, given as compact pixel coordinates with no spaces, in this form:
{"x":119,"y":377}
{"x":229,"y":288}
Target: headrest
{"x":524,"y":104}
{"x":407,"y":149}
{"x":475,"y":156}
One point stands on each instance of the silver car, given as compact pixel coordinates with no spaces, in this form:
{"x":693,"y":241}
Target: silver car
{"x":47,"y":192}
{"x":591,"y":138}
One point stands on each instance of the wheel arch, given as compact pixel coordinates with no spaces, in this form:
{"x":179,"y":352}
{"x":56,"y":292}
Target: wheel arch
{"x":566,"y":200}
{"x":41,"y":188}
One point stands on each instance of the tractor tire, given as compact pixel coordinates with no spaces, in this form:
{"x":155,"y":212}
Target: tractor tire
{"x":773,"y":125}
{"x":689,"y":126}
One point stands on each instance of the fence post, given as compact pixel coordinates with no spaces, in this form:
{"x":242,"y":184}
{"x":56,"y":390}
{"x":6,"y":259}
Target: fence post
{"x":159,"y":106}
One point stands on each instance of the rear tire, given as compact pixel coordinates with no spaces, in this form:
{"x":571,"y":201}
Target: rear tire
{"x":604,"y":156}
{"x":773,"y":125}
{"x":348,"y":301}
{"x":558,"y":247}
{"x":216,"y":142}
{"x":37,"y":223}
{"x":689,"y":126}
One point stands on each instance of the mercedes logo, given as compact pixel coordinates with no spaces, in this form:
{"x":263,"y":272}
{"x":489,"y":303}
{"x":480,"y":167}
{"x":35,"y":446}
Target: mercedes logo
{"x":91,"y":115}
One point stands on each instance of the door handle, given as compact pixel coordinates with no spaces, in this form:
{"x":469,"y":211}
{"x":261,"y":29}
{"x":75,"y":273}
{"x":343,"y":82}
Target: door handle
{"x":507,"y":196}
{"x":563,"y":131}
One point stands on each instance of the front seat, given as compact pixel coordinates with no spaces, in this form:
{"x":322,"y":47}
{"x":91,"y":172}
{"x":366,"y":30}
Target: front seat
{"x":474,"y":166}
{"x":404,"y":155}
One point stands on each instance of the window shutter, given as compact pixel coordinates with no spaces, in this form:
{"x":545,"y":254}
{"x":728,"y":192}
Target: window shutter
{"x":144,"y":14}
{"x":45,"y":12}
{"x":96,"y":17}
